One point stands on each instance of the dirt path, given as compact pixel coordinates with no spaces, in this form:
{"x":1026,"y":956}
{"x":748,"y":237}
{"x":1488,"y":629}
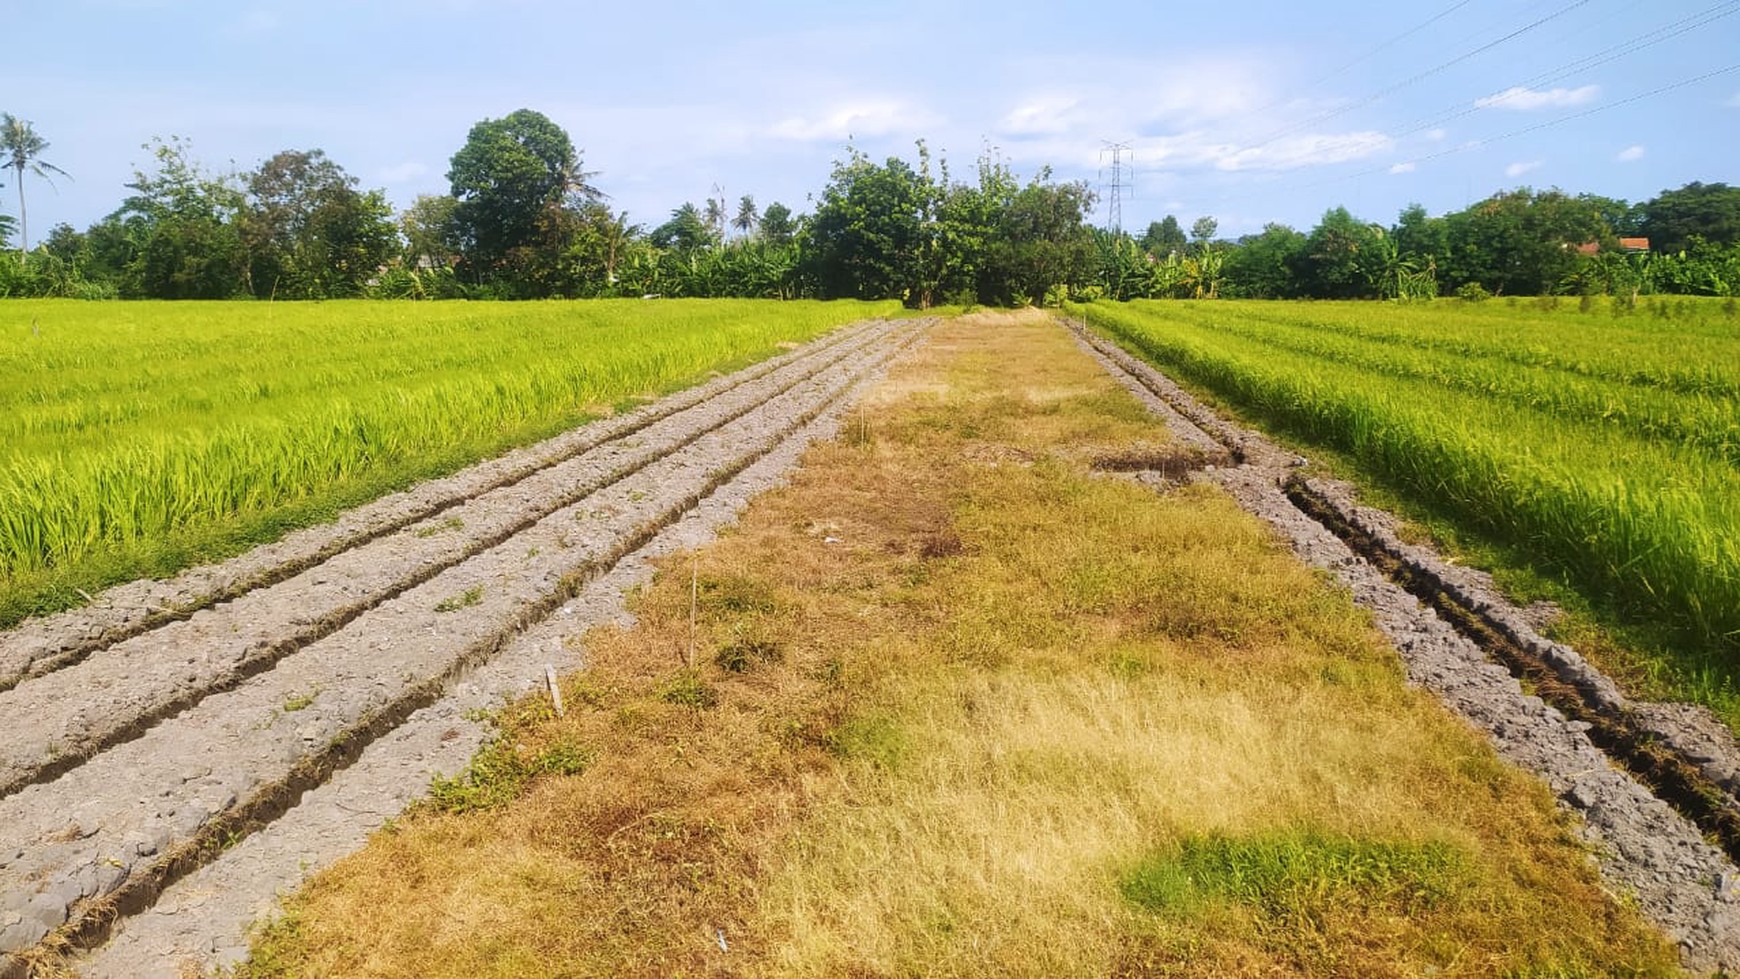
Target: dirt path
{"x":1647,"y":827}
{"x":237,"y":727}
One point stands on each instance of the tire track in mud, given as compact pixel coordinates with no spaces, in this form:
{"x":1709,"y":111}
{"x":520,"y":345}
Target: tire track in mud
{"x":1644,"y":779}
{"x":104,"y":700}
{"x":101,"y":841}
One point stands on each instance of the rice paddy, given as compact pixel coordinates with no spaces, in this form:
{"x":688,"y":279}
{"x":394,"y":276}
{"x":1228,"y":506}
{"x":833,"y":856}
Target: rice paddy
{"x":137,"y":438}
{"x":1607,"y":447}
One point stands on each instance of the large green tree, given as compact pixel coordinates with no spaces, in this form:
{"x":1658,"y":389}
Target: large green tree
{"x":310,"y":233}
{"x":1419,"y":237}
{"x":871,"y":232}
{"x":1621,"y":217}
{"x":21,"y":150}
{"x":1202,"y":230}
{"x":431,"y":241}
{"x":686,"y":231}
{"x":178,"y":236}
{"x":1264,"y":266}
{"x":1697,"y":210}
{"x":777,"y":224}
{"x":1333,"y":263}
{"x":959,"y":259}
{"x":1522,"y":242}
{"x":1164,"y":237}
{"x":1041,"y":243}
{"x":509,"y":174}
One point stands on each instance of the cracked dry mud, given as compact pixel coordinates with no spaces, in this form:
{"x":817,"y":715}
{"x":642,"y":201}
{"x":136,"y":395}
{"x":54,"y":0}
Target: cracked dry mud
{"x":1644,"y":846}
{"x":195,"y":747}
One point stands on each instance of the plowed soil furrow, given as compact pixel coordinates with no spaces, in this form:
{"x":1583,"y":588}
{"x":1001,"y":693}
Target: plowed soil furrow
{"x":104,"y":837}
{"x":202,"y":921}
{"x":1643,"y":831}
{"x":105,"y":699}
{"x":44,"y":645}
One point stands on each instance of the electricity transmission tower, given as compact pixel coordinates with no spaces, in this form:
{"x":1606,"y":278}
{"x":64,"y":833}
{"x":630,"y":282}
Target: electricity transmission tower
{"x":1115,"y":192}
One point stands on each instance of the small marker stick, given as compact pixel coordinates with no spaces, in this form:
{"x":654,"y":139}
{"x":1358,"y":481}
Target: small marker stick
{"x":694,"y":603}
{"x":555,"y":691}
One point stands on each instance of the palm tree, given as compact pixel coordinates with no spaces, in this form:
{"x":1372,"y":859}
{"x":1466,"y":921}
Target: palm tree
{"x":716,"y":213}
{"x":21,"y":149}
{"x":747,"y":216}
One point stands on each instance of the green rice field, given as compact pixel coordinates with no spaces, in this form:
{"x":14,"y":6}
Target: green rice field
{"x":136,"y":438}
{"x":1604,"y":447}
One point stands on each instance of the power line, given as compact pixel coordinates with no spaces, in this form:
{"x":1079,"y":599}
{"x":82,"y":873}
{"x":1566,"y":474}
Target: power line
{"x":1487,"y":141}
{"x":1649,"y":39}
{"x":1476,"y":144}
{"x":1410,"y":32}
{"x":1404,"y":83}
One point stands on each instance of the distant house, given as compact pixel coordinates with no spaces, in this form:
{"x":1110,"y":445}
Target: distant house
{"x":1630,"y":246}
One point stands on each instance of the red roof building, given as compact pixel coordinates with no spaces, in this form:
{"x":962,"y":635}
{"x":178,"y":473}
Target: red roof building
{"x":1630,"y":246}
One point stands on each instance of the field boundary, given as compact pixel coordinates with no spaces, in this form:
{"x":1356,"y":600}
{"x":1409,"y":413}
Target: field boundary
{"x":1684,"y":756}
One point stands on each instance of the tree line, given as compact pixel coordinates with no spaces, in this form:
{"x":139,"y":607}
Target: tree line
{"x":1520,"y":242}
{"x":522,"y":220}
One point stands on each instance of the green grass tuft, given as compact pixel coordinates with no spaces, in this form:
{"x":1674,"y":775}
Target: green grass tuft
{"x":1296,"y":872}
{"x":466,"y":599}
{"x":687,"y":689}
{"x":500,"y":773}
{"x":876,"y":738}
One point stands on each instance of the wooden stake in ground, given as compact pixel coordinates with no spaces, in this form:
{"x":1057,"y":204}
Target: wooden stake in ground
{"x":694,"y":604}
{"x":555,"y":691}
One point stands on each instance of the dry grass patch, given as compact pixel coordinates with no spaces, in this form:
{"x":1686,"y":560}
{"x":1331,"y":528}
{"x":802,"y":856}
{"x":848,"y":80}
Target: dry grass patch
{"x":963,"y":706}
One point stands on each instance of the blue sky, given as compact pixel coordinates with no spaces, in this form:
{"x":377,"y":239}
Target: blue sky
{"x":1247,"y":111}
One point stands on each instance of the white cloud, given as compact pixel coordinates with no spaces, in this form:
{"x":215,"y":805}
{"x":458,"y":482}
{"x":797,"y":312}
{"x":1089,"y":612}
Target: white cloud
{"x":1733,"y":103}
{"x":1527,"y":99}
{"x":403,"y":173}
{"x":1408,"y":167}
{"x":1162,"y":157}
{"x":1630,"y":154}
{"x":1045,"y":116}
{"x":1118,"y":98}
{"x":879,"y":117}
{"x":1437,"y":135}
{"x":1314,"y":149}
{"x":1518,"y":169}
